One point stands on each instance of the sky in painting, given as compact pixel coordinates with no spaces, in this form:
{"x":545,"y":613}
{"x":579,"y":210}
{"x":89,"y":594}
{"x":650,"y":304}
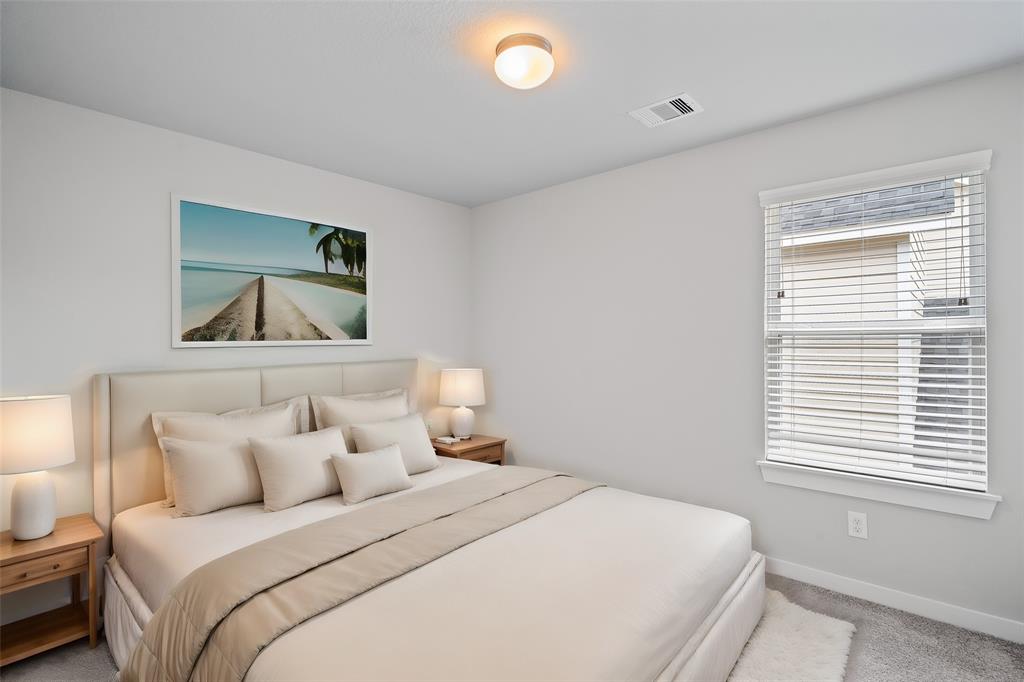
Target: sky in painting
{"x":224,"y":235}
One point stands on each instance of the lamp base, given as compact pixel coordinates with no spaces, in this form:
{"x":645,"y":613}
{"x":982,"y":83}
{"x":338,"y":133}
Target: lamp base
{"x":33,"y":506}
{"x":462,"y":422}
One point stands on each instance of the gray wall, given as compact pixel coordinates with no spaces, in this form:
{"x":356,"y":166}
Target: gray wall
{"x":619,"y":319}
{"x":86,"y":260}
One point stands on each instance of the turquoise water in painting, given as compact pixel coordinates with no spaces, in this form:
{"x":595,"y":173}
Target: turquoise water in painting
{"x":206,"y":288}
{"x":205,"y":292}
{"x":236,"y":267}
{"x":337,"y":305}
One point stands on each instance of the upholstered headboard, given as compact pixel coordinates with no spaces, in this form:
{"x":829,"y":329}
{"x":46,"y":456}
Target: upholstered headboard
{"x":127,"y":465}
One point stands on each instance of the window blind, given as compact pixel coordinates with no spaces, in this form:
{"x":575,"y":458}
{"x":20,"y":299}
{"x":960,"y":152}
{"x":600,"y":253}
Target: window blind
{"x":875,"y":321}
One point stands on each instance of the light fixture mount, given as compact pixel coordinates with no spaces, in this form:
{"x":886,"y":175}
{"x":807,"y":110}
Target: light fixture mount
{"x":523,"y":60}
{"x":523,"y":39}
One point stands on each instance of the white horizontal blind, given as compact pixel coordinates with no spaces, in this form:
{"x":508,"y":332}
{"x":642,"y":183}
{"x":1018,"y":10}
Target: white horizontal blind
{"x":875,"y":323}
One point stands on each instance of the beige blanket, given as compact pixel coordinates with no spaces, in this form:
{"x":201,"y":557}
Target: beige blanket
{"x":220,"y":617}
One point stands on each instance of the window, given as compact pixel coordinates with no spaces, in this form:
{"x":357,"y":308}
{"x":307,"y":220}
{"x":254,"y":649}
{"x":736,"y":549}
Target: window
{"x":875,"y":322}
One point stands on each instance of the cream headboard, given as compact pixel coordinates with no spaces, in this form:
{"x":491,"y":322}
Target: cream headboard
{"x":127,"y":465}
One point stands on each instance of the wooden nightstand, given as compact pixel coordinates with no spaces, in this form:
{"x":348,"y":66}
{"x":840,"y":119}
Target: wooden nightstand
{"x":478,"y":448}
{"x":67,"y":552}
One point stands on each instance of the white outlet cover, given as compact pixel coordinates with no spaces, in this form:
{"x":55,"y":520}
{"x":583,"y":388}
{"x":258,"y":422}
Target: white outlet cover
{"x":857,"y":524}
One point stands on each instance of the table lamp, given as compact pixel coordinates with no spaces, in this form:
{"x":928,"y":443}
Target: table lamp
{"x":462,"y":388}
{"x":35,"y":435}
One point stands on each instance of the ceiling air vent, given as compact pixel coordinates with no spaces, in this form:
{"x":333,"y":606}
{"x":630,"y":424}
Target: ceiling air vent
{"x":666,"y":111}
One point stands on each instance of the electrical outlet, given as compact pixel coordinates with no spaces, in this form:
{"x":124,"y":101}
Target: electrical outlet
{"x":857,"y":524}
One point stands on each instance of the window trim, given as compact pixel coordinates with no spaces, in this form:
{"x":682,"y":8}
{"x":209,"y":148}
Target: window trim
{"x":910,"y":172}
{"x":971,"y":503}
{"x":975,"y":504}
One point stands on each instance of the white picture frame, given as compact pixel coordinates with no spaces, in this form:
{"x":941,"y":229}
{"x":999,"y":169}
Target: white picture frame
{"x":322,"y":323}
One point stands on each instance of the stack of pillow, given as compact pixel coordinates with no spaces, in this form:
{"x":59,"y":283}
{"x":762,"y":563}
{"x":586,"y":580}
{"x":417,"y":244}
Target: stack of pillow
{"x":362,"y":446}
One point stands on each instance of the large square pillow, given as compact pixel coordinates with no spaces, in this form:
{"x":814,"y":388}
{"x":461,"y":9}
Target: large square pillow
{"x":364,"y":408}
{"x":206,"y":476}
{"x":369,"y":474}
{"x":409,"y":433}
{"x":294,"y":469}
{"x":280,"y":419}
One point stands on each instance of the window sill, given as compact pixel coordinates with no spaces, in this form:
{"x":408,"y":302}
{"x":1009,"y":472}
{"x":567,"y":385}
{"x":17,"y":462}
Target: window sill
{"x":922,"y":496}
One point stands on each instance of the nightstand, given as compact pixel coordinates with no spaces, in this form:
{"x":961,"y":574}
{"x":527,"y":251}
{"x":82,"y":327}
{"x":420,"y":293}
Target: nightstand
{"x":67,"y":552}
{"x":478,"y":448}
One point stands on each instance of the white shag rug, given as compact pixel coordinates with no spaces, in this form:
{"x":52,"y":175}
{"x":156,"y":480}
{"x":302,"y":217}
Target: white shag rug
{"x":792,"y":644}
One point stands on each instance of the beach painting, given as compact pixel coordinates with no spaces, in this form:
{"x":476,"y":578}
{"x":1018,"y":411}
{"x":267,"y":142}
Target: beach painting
{"x":243,"y":277}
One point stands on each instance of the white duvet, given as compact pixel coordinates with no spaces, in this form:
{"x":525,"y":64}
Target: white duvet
{"x":608,"y":586}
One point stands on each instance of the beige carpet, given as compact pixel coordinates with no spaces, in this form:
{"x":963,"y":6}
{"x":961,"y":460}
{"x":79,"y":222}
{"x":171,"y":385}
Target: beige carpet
{"x":895,"y":646}
{"x":792,"y":643}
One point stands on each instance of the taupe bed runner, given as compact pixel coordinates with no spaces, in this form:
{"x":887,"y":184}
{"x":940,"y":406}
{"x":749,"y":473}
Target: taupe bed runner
{"x":219,"y":618}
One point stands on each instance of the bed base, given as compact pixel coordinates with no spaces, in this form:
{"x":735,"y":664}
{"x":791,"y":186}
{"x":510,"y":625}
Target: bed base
{"x":709,"y":654}
{"x":714,"y":648}
{"x":125,"y":612}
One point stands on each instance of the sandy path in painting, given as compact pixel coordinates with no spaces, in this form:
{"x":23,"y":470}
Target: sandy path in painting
{"x":236,"y":322}
{"x":263,"y":313}
{"x":283,"y":320}
{"x":290,"y":316}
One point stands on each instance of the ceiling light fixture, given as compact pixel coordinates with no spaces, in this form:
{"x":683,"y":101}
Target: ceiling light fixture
{"x":524,"y":60}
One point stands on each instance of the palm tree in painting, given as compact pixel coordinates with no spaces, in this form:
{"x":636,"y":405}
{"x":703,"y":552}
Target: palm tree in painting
{"x":326,"y":244}
{"x":339,"y":242}
{"x":352,"y":251}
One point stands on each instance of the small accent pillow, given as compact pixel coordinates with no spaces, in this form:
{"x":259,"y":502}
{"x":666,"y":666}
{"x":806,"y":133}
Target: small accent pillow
{"x":279,"y":419}
{"x":364,"y":408}
{"x":408,"y":433}
{"x":207,"y":476}
{"x":294,"y":469}
{"x":369,"y":474}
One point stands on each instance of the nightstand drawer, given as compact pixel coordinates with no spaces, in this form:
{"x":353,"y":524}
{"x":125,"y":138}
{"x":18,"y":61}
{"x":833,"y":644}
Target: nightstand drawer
{"x":491,"y":453}
{"x":42,"y":567}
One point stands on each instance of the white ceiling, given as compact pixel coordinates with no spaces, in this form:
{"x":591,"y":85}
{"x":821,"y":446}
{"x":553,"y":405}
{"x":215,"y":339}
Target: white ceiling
{"x":404,"y":94}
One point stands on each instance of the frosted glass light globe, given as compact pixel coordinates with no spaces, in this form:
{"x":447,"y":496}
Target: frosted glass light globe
{"x":524,"y":61}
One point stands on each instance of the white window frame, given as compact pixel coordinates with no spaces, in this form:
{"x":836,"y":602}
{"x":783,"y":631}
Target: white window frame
{"x":961,"y":502}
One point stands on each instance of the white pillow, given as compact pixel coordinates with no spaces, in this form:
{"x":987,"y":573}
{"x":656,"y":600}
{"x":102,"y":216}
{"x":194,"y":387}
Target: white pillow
{"x":279,"y":419}
{"x":408,"y":433}
{"x":365,"y":408}
{"x":206,"y":476}
{"x":369,"y":474}
{"x":294,"y":469}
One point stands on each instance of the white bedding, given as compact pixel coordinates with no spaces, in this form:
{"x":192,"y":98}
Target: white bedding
{"x":157,"y":550}
{"x":608,"y":586}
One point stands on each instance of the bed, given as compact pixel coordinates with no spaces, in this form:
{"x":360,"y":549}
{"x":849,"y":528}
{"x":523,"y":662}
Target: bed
{"x":606,"y":585}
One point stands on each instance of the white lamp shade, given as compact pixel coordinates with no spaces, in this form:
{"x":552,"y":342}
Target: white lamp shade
{"x":35,"y":433}
{"x":462,"y":387}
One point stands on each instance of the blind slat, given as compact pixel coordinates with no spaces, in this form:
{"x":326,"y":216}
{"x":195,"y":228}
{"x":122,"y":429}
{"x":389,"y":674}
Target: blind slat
{"x":790,"y":416}
{"x":859,"y":408}
{"x":868,"y":394}
{"x":965,"y":470}
{"x":977,"y":253}
{"x":866,"y":442}
{"x":865,"y":431}
{"x":838,"y":239}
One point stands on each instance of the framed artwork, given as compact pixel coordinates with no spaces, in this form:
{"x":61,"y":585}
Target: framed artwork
{"x":245,"y":277}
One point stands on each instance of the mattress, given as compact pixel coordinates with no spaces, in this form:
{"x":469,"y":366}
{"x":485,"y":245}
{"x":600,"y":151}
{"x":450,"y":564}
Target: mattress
{"x":609,"y":585}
